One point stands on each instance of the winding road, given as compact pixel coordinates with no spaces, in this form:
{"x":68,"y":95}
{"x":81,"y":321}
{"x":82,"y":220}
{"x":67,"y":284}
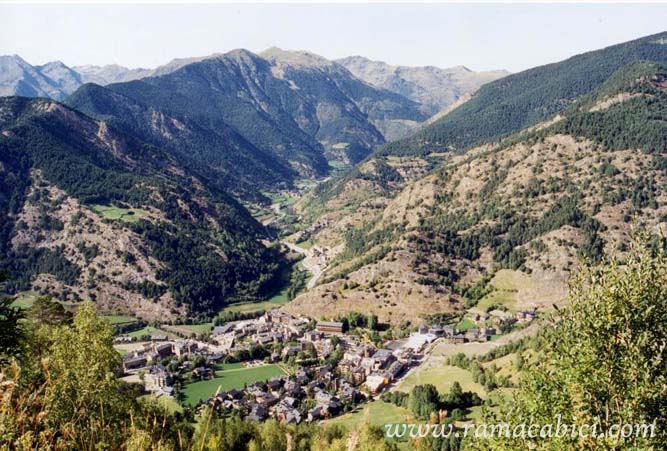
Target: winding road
{"x":309,"y":262}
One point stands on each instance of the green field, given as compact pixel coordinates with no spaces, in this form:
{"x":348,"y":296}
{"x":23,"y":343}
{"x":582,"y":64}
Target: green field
{"x":145,"y":331}
{"x":465,"y":324}
{"x":509,"y":286}
{"x":227,"y":380}
{"x":122,"y":214}
{"x":120,"y":319}
{"x":25,"y":300}
{"x":442,"y":377}
{"x":191,"y":328}
{"x":376,"y":413}
{"x":276,"y":300}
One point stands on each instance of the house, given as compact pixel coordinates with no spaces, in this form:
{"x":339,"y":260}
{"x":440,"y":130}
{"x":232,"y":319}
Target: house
{"x":164,"y":350}
{"x":158,"y":337}
{"x":330,"y":327}
{"x":286,"y":413}
{"x":134,"y":363}
{"x":394,"y":370}
{"x":349,"y":393}
{"x":257,"y":413}
{"x":275,"y":383}
{"x":382,"y":358}
{"x":456,"y":339}
{"x":375,"y":383}
{"x":266,"y":399}
{"x":222,"y":330}
{"x":357,"y":376}
{"x":313,"y":335}
{"x":202,"y":373}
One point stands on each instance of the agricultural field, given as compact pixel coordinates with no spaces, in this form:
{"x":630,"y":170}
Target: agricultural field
{"x":188,"y":329}
{"x":122,"y":214}
{"x":228,"y":379}
{"x":376,"y":413}
{"x":276,"y":300}
{"x":442,"y":377}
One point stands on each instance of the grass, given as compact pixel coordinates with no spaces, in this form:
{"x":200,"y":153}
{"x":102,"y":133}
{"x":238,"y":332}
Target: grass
{"x":508,"y":286}
{"x":144,"y":331}
{"x":122,"y":214}
{"x":245,"y":307}
{"x":442,"y":377}
{"x":191,"y":328}
{"x":465,"y":324}
{"x":376,"y":413}
{"x":25,"y":300}
{"x":120,"y":319}
{"x":229,"y":379}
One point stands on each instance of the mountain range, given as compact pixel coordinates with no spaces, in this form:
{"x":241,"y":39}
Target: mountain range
{"x":137,"y":193}
{"x":494,"y":204}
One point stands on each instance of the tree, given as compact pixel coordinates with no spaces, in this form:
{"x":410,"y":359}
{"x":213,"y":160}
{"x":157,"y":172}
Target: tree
{"x":424,"y":400}
{"x":11,"y":330}
{"x":45,"y":310}
{"x":604,"y":362}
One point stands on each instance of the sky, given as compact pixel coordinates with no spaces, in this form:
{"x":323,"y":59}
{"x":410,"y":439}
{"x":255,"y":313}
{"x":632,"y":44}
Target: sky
{"x":480,"y":36}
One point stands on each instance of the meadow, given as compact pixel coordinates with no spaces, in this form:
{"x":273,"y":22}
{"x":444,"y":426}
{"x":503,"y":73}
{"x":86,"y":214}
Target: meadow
{"x":227,"y":379}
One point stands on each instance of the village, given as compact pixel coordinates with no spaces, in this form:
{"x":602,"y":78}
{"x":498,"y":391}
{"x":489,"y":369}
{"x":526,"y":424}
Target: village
{"x":323,"y":368}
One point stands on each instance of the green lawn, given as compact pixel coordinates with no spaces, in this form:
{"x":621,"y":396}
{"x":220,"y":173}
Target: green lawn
{"x":442,"y":377}
{"x":227,"y":380}
{"x":117,"y":213}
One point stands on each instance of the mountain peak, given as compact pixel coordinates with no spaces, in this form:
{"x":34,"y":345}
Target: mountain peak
{"x":301,"y":58}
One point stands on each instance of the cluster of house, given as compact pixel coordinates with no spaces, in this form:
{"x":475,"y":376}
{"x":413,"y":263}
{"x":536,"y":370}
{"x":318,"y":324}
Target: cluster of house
{"x":147,"y":359}
{"x":312,"y":394}
{"x":317,"y":390}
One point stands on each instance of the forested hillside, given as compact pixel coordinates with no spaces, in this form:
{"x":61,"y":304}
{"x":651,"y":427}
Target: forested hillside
{"x":89,"y":212}
{"x":535,"y":203}
{"x":220,"y":153}
{"x":520,"y":100}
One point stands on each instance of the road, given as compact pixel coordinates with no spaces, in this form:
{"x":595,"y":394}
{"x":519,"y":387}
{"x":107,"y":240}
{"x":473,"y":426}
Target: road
{"x":309,"y":262}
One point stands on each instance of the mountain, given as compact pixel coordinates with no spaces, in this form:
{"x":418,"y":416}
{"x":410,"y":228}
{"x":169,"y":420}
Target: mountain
{"x":18,"y":77}
{"x":432,"y":87}
{"x":91,"y":212}
{"x":347,"y":110}
{"x":110,"y":73}
{"x":296,"y":107}
{"x":502,"y":225}
{"x":66,"y":79}
{"x":225,"y":157}
{"x":524,"y":99}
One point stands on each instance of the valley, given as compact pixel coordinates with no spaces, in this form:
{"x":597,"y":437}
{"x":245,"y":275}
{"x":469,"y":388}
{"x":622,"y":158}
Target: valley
{"x":276,"y":243}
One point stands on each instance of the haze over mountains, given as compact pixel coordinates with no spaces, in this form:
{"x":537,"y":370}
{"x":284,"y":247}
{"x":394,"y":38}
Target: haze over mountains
{"x":430,"y":86}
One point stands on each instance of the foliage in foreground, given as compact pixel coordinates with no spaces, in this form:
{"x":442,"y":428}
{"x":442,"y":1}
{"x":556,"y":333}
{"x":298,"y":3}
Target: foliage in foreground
{"x":59,"y":391}
{"x":605,"y":362}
